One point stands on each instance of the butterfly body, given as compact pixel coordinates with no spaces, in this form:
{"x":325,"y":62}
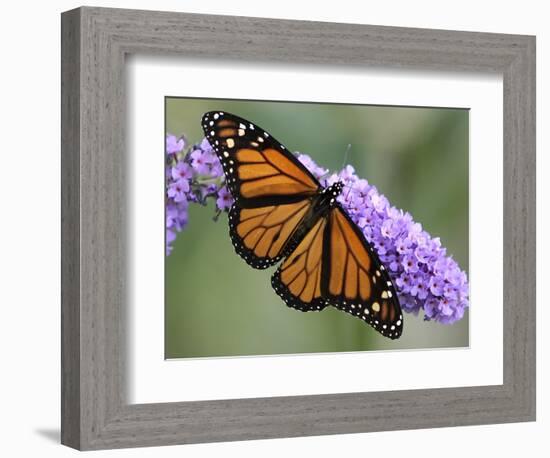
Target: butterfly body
{"x":321,"y":204}
{"x":283,"y":215}
{"x":327,"y":197}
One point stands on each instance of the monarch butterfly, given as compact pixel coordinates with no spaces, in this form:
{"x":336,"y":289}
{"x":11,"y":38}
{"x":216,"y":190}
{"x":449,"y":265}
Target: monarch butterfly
{"x":282,"y":213}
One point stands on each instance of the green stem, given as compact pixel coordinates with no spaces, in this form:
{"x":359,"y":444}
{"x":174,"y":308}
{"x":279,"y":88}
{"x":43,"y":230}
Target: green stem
{"x":202,"y":181}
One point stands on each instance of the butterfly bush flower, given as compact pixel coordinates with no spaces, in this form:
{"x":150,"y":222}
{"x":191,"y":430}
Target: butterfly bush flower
{"x":317,"y":171}
{"x":426,"y":278}
{"x":174,"y":145}
{"x":192,"y":176}
{"x":224,"y":200}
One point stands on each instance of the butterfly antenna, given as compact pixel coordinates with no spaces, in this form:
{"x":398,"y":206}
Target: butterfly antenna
{"x":346,"y":155}
{"x":343,"y":164}
{"x":349,"y":190}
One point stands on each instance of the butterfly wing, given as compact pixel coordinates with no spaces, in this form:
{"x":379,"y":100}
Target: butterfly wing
{"x":262,"y":235}
{"x":272,"y":190}
{"x":334,"y":264}
{"x":298,"y":279}
{"x":354,"y":280}
{"x":257,"y":167}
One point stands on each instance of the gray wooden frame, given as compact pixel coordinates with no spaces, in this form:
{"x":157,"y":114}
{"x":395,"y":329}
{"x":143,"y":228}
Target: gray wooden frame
{"x":95,"y":41}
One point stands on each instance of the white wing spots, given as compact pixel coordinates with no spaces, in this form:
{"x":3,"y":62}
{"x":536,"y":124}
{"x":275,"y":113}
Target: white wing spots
{"x":211,"y":123}
{"x":216,"y":116}
{"x":230,"y":143}
{"x":260,"y":139}
{"x":382,"y":268}
{"x":369,"y":315}
{"x":385,"y":294}
{"x":241,"y":132}
{"x":389,"y":293}
{"x":226,"y":154}
{"x":251,"y":126}
{"x":212,"y":133}
{"x":374,"y":279}
{"x":398,"y":323}
{"x":378,"y":273}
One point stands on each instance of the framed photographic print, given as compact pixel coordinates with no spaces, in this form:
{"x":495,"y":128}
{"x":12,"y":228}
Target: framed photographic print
{"x":196,"y":325}
{"x":339,"y":220}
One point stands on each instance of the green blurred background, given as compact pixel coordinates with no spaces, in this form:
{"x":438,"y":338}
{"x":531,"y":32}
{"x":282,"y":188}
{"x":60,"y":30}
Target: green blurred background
{"x":216,"y":305}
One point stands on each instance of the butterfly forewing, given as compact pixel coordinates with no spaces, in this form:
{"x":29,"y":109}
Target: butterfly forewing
{"x":256,"y":165}
{"x":354,"y":280}
{"x":271,"y":188}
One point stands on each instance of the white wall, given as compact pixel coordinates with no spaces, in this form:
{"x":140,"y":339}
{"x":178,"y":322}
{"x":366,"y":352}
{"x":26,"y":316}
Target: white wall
{"x":29,"y":233}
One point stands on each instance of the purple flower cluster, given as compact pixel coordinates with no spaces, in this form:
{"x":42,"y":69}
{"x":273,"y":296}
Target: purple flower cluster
{"x":192,"y":176}
{"x":425,"y":277}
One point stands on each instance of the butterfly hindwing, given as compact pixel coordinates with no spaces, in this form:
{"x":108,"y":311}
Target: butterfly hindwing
{"x":334,"y":265}
{"x":354,"y":280}
{"x":255,"y":164}
{"x":298,"y":279}
{"x":262,"y":235}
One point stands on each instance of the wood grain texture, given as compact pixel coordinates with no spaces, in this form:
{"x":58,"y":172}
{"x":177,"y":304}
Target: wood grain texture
{"x":70,"y":229}
{"x":95,"y":41}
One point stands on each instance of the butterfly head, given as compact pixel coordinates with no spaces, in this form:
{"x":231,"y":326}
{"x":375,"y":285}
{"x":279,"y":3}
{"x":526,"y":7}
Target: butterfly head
{"x":333,"y":191}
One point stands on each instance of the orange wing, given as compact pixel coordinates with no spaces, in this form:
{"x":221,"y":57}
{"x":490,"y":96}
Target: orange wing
{"x":261,"y":235}
{"x":256,"y":165}
{"x":354,"y":279}
{"x":272,"y":190}
{"x":298,"y":279}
